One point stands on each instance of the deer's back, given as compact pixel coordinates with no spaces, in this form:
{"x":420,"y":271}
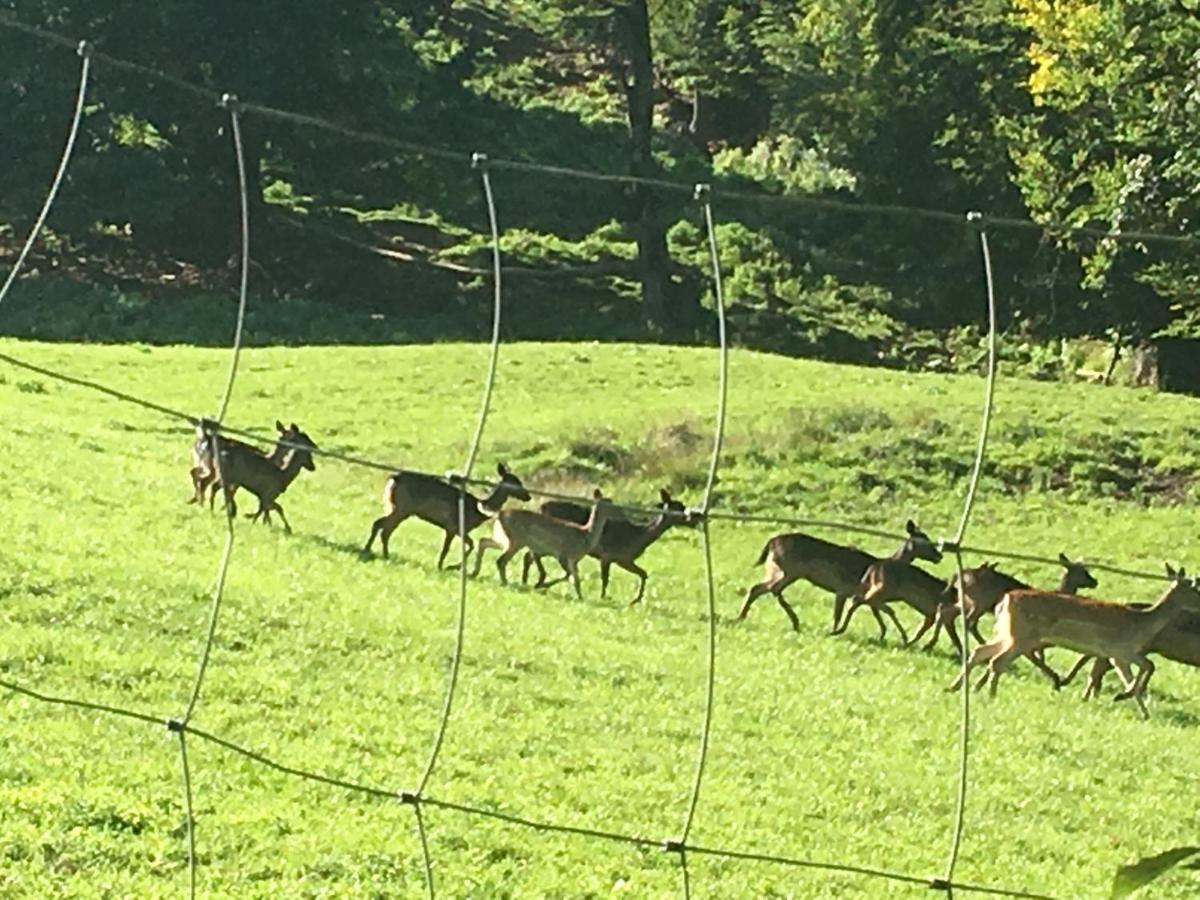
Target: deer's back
{"x":542,"y":534}
{"x":1085,"y":624}
{"x":831,"y":566}
{"x":984,"y":587}
{"x":430,"y":499}
{"x":889,"y":580}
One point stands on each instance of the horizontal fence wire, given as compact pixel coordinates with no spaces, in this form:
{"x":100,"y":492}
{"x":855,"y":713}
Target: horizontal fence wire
{"x":787,"y":520}
{"x":497,"y":815}
{"x":824,"y":203}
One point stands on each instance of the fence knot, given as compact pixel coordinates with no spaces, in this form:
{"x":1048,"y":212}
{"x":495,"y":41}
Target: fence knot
{"x":84,"y":49}
{"x":408,"y":798}
{"x":702,"y":191}
{"x":176,"y":726}
{"x":479,"y":160}
{"x":975,"y":217}
{"x":673,"y":845}
{"x":230,"y":102}
{"x":941,"y":884}
{"x":948,"y":545}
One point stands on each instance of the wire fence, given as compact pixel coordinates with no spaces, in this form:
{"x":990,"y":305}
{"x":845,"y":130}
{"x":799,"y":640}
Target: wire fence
{"x":419,"y":797}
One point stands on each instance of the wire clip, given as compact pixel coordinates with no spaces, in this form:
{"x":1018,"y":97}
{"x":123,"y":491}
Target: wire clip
{"x":673,"y":845}
{"x":975,"y":217}
{"x":941,"y":884}
{"x":178,"y":726}
{"x":230,"y":102}
{"x":408,"y":798}
{"x":84,"y":49}
{"x":702,"y":191}
{"x":479,"y":161}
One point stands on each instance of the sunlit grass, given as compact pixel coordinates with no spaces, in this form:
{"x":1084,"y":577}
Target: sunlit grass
{"x":587,"y":713}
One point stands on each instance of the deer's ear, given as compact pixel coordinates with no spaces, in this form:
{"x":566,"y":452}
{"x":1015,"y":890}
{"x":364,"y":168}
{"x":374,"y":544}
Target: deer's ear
{"x":279,"y":427}
{"x":1062,"y":559}
{"x":295,"y":427}
{"x":664,"y":495}
{"x":501,"y":469}
{"x":597,"y":495}
{"x":1171,"y":573}
{"x":911,"y":527}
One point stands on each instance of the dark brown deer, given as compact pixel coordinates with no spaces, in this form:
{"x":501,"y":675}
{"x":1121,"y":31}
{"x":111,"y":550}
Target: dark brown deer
{"x":239,"y":466}
{"x":1178,"y":642}
{"x":833,"y":567}
{"x":204,"y":468}
{"x":980,"y":589}
{"x":890,"y":581}
{"x":1028,"y":619}
{"x":516,"y":529}
{"x":407,"y":494}
{"x":622,"y":541}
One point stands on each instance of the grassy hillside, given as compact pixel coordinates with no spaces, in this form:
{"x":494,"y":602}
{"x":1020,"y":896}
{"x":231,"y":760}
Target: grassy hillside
{"x":575,"y":713}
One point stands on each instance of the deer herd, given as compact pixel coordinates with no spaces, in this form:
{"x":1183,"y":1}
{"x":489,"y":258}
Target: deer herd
{"x":1028,"y":620}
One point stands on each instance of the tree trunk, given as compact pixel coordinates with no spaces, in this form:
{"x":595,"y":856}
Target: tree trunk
{"x":650,"y":228}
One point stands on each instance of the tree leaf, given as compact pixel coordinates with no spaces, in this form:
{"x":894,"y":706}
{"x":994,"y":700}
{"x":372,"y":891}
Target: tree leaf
{"x":1130,"y":878}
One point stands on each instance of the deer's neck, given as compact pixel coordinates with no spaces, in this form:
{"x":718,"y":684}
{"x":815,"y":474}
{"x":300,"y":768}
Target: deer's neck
{"x":595,"y":527}
{"x":652,"y":532}
{"x":290,"y":470}
{"x":905,"y":554}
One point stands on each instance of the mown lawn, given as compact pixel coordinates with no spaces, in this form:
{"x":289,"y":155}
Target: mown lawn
{"x":578,"y":713}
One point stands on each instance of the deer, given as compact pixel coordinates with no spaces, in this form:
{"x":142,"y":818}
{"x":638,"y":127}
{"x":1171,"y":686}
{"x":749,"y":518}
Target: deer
{"x":516,"y":529}
{"x":831,"y":566}
{"x":1030,"y":619}
{"x":240,"y":466}
{"x":407,"y":494}
{"x":204,"y":469}
{"x":622,"y":541}
{"x":1178,"y":642}
{"x":887,"y":581}
{"x":981,"y":589}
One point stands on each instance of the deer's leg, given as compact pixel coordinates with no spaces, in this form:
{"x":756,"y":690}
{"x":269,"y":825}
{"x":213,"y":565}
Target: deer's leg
{"x":839,"y":606}
{"x":526,"y":565}
{"x":855,"y":603}
{"x":572,"y":566}
{"x":199,"y":483}
{"x":637,"y":570}
{"x":952,"y":633}
{"x":605,"y":568}
{"x":1000,"y":662}
{"x":502,"y":561}
{"x":279,"y":509}
{"x":1038,"y":658}
{"x":1064,"y":680}
{"x":982,"y":654}
{"x":1100,"y":668}
{"x":1134,"y":687}
{"x":788,"y":611}
{"x":543,"y":576}
{"x":483,"y":544}
{"x":879,"y":610}
{"x":973,"y":624}
{"x":932,"y":620}
{"x":751,"y":595}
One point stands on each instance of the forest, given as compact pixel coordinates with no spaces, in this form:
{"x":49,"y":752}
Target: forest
{"x":1077,"y":118}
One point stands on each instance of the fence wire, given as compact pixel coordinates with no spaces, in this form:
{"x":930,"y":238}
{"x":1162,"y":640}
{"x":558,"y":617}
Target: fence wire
{"x":215,"y":428}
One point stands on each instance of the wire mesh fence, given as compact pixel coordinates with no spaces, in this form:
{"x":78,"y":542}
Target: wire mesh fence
{"x":418,"y":796}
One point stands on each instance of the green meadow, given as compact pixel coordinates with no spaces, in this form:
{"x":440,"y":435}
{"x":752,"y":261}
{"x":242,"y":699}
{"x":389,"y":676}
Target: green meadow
{"x":838,"y":749}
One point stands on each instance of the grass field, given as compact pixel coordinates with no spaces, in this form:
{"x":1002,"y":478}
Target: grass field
{"x":581,"y":713}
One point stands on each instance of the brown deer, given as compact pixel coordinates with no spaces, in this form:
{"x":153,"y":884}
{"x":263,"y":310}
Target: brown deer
{"x":980,"y":589}
{"x":239,"y":466}
{"x":516,"y":529}
{"x":622,"y":541}
{"x":407,"y":494}
{"x":830,"y":566}
{"x":888,"y":581}
{"x":1178,"y":642}
{"x":204,"y":469}
{"x":1029,"y":619}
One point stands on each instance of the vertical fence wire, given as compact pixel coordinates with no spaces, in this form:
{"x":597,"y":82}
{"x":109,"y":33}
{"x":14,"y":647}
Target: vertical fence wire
{"x":85,"y":53}
{"x":960,"y":802}
{"x":479,"y":162}
{"x":187,"y":806}
{"x":704,"y":195}
{"x":230,"y":103}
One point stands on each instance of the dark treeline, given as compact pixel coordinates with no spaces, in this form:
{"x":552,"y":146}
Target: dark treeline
{"x":1071,"y":113}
